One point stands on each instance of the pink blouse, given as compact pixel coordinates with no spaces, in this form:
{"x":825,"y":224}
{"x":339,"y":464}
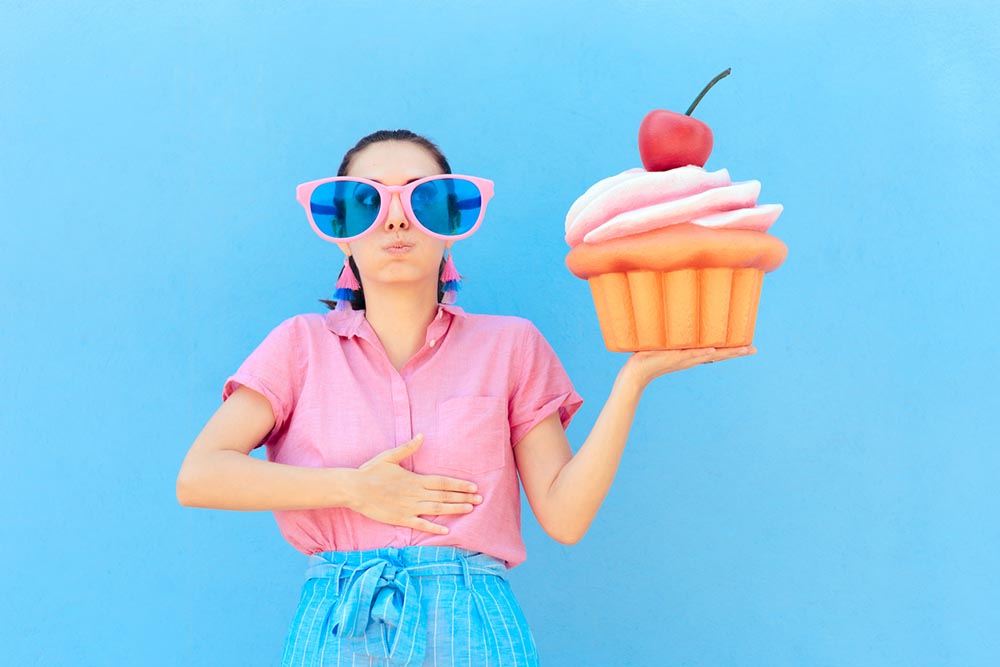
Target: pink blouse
{"x":475,"y":388}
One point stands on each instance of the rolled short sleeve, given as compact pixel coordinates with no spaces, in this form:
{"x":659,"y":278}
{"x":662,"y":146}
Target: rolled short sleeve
{"x":543,"y":386}
{"x":274,"y":370}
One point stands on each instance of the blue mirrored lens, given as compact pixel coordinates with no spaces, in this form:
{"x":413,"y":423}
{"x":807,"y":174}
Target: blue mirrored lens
{"x":342,"y":209}
{"x":448,"y":206}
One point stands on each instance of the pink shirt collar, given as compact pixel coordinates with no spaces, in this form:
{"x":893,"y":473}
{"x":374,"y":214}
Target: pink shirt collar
{"x":346,"y":323}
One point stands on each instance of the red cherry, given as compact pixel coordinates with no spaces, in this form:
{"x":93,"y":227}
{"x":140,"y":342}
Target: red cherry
{"x":668,"y":139}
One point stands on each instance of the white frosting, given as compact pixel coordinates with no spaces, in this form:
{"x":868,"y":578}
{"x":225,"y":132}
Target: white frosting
{"x":636,"y":201}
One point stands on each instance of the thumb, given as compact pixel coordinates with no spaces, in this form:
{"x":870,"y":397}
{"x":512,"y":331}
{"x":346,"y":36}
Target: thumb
{"x":399,"y":453}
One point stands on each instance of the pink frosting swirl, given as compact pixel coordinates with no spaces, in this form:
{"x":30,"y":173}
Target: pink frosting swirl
{"x":637,"y":201}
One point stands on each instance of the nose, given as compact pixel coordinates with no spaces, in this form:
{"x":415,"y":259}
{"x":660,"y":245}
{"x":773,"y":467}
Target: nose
{"x":396,"y":218}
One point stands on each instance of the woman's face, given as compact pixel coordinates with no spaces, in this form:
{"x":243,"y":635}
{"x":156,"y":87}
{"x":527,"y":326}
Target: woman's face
{"x":395,"y":163}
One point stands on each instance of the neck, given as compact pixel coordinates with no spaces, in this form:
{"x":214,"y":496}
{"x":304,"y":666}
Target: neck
{"x":400,"y":313}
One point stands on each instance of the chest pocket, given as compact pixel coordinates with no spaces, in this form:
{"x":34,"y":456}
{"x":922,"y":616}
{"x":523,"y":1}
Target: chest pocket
{"x":473,"y":435}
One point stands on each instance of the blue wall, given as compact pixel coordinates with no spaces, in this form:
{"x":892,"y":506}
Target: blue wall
{"x":824,"y":502}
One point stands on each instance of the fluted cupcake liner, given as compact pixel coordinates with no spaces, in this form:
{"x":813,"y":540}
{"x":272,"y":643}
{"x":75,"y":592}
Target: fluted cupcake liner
{"x":683,"y":308}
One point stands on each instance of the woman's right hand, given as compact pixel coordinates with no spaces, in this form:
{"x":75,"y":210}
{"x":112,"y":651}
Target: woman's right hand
{"x":390,"y":493}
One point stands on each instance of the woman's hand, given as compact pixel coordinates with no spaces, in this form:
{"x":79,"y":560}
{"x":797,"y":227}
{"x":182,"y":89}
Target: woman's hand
{"x":646,"y":365}
{"x":387,"y":492}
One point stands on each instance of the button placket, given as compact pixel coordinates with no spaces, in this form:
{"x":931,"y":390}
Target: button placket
{"x":435,"y":329}
{"x":404,"y":431}
{"x":401,"y":409}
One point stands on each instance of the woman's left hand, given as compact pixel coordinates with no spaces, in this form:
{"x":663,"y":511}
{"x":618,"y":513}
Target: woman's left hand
{"x":649,"y":364}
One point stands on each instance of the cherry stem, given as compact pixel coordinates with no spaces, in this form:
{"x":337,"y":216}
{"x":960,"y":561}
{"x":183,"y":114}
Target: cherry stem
{"x":705,"y":90}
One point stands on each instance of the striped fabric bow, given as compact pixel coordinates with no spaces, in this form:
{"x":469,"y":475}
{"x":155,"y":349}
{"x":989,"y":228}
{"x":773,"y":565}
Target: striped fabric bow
{"x":383,"y":592}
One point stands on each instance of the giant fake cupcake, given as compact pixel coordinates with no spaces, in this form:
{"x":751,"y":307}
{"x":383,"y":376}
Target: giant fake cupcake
{"x":675,"y":255}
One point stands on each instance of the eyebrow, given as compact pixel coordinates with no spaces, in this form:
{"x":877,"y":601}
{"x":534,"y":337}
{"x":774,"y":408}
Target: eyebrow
{"x":409,"y":181}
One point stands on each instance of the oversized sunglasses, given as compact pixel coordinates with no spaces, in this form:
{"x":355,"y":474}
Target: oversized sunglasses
{"x":344,"y":208}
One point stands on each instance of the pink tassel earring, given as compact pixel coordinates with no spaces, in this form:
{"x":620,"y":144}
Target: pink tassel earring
{"x":346,"y":286}
{"x":451,"y":280}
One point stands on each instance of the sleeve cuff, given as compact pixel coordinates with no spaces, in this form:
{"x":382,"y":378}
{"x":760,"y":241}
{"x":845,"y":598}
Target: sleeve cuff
{"x":258,"y":385}
{"x":567,"y":404}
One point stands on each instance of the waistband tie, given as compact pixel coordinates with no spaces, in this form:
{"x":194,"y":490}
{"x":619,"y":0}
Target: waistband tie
{"x":382,"y":590}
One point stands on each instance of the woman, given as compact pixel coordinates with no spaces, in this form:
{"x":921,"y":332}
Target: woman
{"x":397,"y":429}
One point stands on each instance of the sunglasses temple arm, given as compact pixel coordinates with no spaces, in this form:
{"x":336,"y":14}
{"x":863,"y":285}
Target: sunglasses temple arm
{"x":323,"y":209}
{"x":472,"y":202}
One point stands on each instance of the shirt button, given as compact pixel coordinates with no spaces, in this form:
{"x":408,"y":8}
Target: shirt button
{"x":433,"y":340}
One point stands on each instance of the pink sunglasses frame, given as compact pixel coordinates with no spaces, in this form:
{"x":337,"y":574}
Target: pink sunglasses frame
{"x":303,"y":193}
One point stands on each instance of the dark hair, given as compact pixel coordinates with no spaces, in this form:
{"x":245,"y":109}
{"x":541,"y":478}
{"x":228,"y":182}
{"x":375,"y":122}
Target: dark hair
{"x":358,"y":300}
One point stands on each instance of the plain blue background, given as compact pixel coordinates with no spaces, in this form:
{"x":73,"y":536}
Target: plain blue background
{"x":824,"y":502}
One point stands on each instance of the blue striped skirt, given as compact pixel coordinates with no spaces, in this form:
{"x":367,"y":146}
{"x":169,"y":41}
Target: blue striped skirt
{"x":396,"y":606}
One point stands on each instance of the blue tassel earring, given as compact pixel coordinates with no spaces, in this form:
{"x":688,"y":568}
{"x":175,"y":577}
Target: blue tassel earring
{"x":451,"y":280}
{"x":346,"y":286}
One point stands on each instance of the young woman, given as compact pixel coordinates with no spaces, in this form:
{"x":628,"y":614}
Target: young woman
{"x":397,"y":424}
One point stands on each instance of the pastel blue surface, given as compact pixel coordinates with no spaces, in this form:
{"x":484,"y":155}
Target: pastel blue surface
{"x":824,"y":502}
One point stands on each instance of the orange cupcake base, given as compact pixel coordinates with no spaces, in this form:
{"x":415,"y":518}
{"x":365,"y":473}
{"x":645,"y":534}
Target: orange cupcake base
{"x":683,"y":308}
